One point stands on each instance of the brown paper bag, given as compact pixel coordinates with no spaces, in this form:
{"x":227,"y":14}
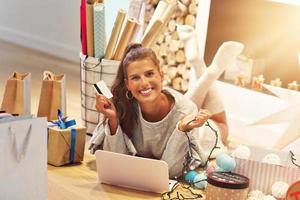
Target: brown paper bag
{"x":16,"y":99}
{"x":53,"y":96}
{"x":59,"y":145}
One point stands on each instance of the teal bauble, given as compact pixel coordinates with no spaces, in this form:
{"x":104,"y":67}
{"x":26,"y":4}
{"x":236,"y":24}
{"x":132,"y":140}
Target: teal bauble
{"x":225,"y":162}
{"x":219,"y":169}
{"x":200,"y":181}
{"x":189,"y":177}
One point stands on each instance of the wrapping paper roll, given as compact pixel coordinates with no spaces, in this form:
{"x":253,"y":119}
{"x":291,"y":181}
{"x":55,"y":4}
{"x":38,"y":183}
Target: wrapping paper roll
{"x":125,"y":38}
{"x":152,"y":34}
{"x":135,"y":8}
{"x":99,"y":30}
{"x":90,"y":27}
{"x":169,"y":11}
{"x":83,"y":26}
{"x":136,"y":31}
{"x":109,"y":52}
{"x":159,"y":11}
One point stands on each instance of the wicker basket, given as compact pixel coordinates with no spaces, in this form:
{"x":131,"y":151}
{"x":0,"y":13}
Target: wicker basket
{"x":93,"y":70}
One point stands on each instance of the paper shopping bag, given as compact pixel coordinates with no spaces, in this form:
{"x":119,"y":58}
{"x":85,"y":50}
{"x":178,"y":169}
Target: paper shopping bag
{"x":16,"y":99}
{"x":53,"y":96}
{"x":23,"y":160}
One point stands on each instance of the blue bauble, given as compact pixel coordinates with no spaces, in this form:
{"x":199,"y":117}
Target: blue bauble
{"x":225,"y":162}
{"x":189,"y":177}
{"x":199,"y":181}
{"x":219,"y":169}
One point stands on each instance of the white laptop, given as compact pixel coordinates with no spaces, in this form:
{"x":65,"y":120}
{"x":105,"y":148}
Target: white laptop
{"x":133,"y":172}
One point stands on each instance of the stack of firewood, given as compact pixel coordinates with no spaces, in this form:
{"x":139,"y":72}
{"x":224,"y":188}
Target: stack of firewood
{"x":168,"y":47}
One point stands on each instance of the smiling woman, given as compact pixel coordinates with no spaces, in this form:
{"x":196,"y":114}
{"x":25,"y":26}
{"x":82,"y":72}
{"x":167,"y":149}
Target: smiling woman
{"x":145,"y":119}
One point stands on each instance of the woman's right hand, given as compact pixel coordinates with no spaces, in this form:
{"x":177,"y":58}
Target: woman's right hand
{"x":106,"y":107}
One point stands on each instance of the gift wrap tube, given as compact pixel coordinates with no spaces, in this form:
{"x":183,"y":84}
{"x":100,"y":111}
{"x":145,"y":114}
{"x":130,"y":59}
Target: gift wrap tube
{"x":152,"y":34}
{"x":159,"y":11}
{"x":226,"y":185}
{"x":66,"y":146}
{"x":90,"y":27}
{"x":110,"y":49}
{"x":168,"y":14}
{"x":99,"y":30}
{"x":125,"y":38}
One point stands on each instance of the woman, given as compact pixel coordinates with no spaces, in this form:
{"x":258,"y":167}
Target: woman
{"x":144,"y":119}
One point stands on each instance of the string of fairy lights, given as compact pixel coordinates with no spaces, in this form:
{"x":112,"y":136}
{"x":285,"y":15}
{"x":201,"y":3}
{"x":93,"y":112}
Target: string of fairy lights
{"x":189,"y":186}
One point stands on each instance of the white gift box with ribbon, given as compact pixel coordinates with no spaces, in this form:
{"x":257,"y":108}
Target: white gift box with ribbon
{"x":246,"y":66}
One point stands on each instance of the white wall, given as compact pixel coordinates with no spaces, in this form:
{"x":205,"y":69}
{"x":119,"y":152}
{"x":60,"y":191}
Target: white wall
{"x":51,"y":26}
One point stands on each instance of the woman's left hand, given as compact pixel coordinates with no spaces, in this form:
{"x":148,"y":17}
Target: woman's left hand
{"x":194,"y":120}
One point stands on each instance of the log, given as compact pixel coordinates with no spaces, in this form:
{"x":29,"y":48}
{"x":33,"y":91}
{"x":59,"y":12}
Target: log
{"x":182,"y":10}
{"x":186,"y":2}
{"x":172,"y":26}
{"x":172,"y":72}
{"x":193,"y":9}
{"x":184,"y":85}
{"x":180,"y":57}
{"x":190,"y":20}
{"x":171,"y":58}
{"x":165,"y":68}
{"x":176,"y":83}
{"x":163,"y":49}
{"x":180,"y":20}
{"x":173,"y":46}
{"x":168,"y":38}
{"x":175,"y":36}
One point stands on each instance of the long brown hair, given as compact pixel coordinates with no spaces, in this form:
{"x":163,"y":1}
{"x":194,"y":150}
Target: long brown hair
{"x":127,"y":108}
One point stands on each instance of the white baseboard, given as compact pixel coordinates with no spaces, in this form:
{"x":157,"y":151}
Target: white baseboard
{"x":35,"y":42}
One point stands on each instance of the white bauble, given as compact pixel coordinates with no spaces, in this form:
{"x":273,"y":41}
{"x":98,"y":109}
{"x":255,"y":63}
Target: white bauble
{"x":242,"y":151}
{"x":272,"y":158}
{"x":256,"y":195}
{"x":269,"y":197}
{"x":279,"y":189}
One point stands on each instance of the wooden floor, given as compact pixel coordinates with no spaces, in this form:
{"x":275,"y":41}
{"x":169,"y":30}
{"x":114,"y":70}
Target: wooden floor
{"x":17,"y":58}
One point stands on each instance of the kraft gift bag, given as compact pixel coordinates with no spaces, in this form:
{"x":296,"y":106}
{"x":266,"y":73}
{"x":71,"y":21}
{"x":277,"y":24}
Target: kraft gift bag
{"x":16,"y":98}
{"x":23,"y":160}
{"x":53,"y":96}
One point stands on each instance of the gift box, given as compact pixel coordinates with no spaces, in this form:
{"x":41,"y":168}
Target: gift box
{"x":248,"y":67}
{"x":263,"y":175}
{"x":66,"y":146}
{"x":224,"y":185}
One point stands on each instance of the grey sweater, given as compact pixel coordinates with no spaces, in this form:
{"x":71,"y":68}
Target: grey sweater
{"x":159,"y":140}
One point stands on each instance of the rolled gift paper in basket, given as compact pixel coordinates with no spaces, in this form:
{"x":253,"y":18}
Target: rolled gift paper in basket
{"x":224,"y":185}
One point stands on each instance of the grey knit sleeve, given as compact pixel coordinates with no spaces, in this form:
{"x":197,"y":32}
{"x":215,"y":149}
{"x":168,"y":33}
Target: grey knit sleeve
{"x":119,"y":142}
